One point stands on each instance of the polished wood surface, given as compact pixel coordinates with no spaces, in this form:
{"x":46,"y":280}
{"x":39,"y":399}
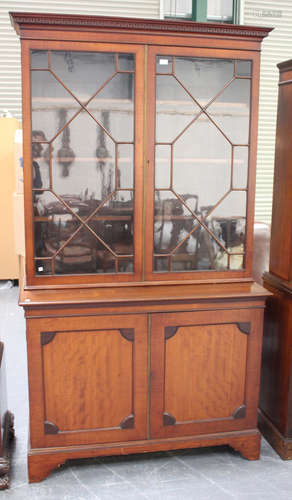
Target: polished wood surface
{"x":87,"y":379}
{"x":43,"y":461}
{"x":276,"y":379}
{"x":281,"y":229}
{"x":215,"y":376}
{"x":125,"y":363}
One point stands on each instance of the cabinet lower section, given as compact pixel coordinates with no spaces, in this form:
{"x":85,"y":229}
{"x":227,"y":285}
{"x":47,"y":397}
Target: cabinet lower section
{"x":103,"y":383}
{"x":42,"y":461}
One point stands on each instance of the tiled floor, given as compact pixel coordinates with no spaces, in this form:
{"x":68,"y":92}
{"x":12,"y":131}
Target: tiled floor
{"x":213,"y":473}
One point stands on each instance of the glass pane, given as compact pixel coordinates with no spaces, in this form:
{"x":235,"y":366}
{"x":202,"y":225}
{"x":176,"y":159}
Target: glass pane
{"x":52,"y":105}
{"x":228,"y":221}
{"x":240,"y":167}
{"x":178,"y":8}
{"x":39,"y":59}
{"x":173,"y":222}
{"x":199,"y":252}
{"x":40,"y":162}
{"x":162,"y":167}
{"x":203,"y":77}
{"x":126,"y":62}
{"x":236,"y":262}
{"x":201,"y":166}
{"x":194,"y":165}
{"x":174,"y":109}
{"x":161,"y":264}
{"x":113,"y":223}
{"x":163,"y":64}
{"x":243,"y":68}
{"x":54,"y":224}
{"x":82,"y":255}
{"x":125,"y":172}
{"x":43,"y":266}
{"x":125,"y":265}
{"x":113,"y":107}
{"x":219,"y":10}
{"x":83,"y":165}
{"x":81,"y":71}
{"x":230,"y":111}
{"x":83,"y":168}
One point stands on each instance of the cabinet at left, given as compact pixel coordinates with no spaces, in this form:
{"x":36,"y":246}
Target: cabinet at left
{"x":88,"y":379}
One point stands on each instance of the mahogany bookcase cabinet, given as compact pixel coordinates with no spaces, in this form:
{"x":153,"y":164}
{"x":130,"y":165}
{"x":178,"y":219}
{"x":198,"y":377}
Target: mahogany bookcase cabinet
{"x":144,"y":326}
{"x":276,"y":395}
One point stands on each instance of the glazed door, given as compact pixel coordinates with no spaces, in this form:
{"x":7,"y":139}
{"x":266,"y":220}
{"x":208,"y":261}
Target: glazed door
{"x":202,"y":114}
{"x":86,"y":161}
{"x":204,"y":371}
{"x":88,"y":380}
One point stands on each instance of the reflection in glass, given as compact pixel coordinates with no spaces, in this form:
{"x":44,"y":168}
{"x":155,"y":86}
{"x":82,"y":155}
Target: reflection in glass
{"x":126,"y":62}
{"x":230,"y":111}
{"x":164,"y":64}
{"x":200,"y":252}
{"x":125,"y":166}
{"x":173,"y":222}
{"x":162,"y":167}
{"x":92,"y":173}
{"x":161,"y":264}
{"x":113,"y":223}
{"x":113,"y":107}
{"x":43,"y":266}
{"x":236,"y":262}
{"x":80,"y":168}
{"x":80,"y":255}
{"x":40,"y":167}
{"x":240,"y":167}
{"x":81,"y":71}
{"x":201,"y":165}
{"x":243,"y":68}
{"x":174,"y":108}
{"x":39,"y":59}
{"x":203,"y":77}
{"x":48,"y":98}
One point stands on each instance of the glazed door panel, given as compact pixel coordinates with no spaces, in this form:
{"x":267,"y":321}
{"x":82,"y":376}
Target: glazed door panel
{"x":200,"y":369}
{"x":199,"y":156}
{"x":86,"y":161}
{"x":91,"y":383}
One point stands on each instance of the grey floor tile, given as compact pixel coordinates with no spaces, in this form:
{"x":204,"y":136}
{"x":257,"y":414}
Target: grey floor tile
{"x":95,"y":474}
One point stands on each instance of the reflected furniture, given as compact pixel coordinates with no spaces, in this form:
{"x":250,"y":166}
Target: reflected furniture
{"x":275,"y":398}
{"x":144,"y":325}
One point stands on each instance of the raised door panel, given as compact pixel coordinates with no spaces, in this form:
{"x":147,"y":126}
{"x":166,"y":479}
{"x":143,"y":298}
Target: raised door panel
{"x":90,"y":383}
{"x":203,"y":372}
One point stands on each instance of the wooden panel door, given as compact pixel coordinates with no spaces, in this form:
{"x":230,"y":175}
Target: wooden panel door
{"x":88,"y":379}
{"x":204,"y":372}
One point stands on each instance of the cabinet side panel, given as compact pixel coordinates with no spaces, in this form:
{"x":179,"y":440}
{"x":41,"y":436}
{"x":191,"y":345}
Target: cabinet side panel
{"x":281,"y":231}
{"x":276,"y":360}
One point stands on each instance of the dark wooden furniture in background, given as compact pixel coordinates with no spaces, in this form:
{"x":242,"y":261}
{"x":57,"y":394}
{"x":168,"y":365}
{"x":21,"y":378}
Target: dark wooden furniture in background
{"x":7,"y":426}
{"x":276,"y":388}
{"x":144,"y":325}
